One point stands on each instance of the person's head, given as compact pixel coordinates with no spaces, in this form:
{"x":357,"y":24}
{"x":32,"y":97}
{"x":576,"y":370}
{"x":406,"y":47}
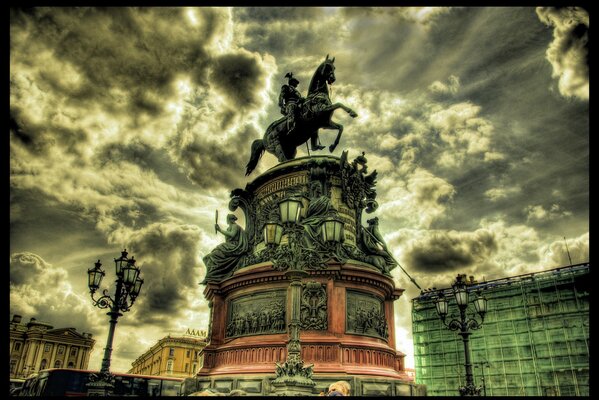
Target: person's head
{"x":317,"y":189}
{"x":341,"y":387}
{"x":373,"y":221}
{"x":292,"y":81}
{"x":231,"y":218}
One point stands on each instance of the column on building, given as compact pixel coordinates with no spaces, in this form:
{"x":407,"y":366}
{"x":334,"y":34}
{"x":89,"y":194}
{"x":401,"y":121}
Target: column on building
{"x":40,"y":355}
{"x":79,"y":357}
{"x":52,"y":359}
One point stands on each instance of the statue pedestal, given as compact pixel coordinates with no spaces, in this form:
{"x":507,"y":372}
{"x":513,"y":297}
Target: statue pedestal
{"x":344,"y":300}
{"x":290,"y":388}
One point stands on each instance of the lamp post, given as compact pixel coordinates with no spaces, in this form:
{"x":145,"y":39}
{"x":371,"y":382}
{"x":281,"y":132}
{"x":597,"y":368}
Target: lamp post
{"x":128,"y":286}
{"x":464,"y":325}
{"x":292,"y":377}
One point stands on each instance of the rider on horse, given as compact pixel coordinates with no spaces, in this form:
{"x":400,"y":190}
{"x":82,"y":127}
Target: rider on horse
{"x":307,"y":116}
{"x":290,"y":101}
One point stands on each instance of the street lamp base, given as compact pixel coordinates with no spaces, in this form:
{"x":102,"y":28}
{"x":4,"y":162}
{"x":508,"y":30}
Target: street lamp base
{"x":99,"y":389}
{"x":100,"y":384}
{"x":469,"y":390}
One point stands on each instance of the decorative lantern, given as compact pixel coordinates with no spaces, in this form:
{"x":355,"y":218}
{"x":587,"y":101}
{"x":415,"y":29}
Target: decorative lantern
{"x":480,"y":304}
{"x":121,"y":262}
{"x":272,"y":233}
{"x":460,"y":293}
{"x":95,"y":276}
{"x":441,"y":305}
{"x":332,"y":230}
{"x":136,"y":288}
{"x":130,"y":273}
{"x":290,"y":210}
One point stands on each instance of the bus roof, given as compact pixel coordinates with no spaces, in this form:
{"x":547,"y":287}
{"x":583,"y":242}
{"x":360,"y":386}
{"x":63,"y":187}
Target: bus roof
{"x":169,"y":378}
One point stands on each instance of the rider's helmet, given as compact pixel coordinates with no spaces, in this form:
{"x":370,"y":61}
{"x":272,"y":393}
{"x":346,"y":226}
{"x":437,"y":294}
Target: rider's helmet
{"x":292,"y":81}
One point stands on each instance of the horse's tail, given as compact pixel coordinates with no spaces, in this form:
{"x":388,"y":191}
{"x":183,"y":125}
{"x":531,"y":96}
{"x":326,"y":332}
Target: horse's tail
{"x":257,"y":151}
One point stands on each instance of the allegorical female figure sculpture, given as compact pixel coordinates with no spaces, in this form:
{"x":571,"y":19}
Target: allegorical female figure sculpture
{"x":320,"y":207}
{"x":376,"y":248}
{"x":224,"y":259}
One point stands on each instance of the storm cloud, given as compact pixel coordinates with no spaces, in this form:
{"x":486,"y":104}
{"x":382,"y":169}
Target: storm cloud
{"x":450,"y":250}
{"x":569,"y":50}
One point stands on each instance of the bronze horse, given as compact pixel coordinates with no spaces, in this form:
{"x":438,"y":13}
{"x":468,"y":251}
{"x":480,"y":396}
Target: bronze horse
{"x":314,"y":113}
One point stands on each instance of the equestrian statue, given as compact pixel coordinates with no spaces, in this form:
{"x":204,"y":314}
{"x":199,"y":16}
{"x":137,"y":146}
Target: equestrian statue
{"x":302,"y":118}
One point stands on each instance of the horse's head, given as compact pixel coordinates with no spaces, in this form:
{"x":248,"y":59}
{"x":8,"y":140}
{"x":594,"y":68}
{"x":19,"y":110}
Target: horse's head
{"x":327,"y":69}
{"x":324,"y":73}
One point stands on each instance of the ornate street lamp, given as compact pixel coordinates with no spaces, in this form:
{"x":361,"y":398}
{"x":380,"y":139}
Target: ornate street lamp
{"x":292,"y":376}
{"x":128,"y":286}
{"x":464,"y":325}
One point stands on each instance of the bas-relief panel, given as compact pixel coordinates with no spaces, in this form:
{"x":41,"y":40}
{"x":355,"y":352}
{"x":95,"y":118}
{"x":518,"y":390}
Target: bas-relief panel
{"x":257,"y":314}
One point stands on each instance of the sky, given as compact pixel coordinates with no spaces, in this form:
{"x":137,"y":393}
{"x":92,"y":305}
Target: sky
{"x":129,"y":127}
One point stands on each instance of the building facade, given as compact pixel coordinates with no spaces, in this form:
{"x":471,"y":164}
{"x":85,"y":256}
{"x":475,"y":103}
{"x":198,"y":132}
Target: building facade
{"x":172,"y":356}
{"x":534,"y":340}
{"x":37,"y":345}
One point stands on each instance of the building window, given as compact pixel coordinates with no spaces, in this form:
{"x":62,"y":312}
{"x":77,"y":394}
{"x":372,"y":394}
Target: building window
{"x":194,"y":367}
{"x":169,"y":366}
{"x":171,"y":352}
{"x":186,"y":367}
{"x":73,"y":351}
{"x":47,"y":347}
{"x":60,"y":349}
{"x":71,"y":365}
{"x":58,"y":364}
{"x":17,"y":346}
{"x":13,"y":366}
{"x":187,"y":353}
{"x":43,"y":364}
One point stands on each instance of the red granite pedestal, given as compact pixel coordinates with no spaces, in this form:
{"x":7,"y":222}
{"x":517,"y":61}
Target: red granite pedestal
{"x":337,"y":355}
{"x":242,"y":355}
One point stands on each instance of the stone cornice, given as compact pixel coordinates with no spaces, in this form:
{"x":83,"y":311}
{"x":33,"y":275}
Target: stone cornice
{"x":297,"y":164}
{"x":354,"y":272}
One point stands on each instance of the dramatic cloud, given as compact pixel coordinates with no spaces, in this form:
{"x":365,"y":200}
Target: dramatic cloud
{"x":499,"y":193}
{"x":565,"y":252}
{"x":451,"y":87}
{"x":442,"y":251}
{"x":43,"y":291}
{"x":539,"y":213}
{"x":569,"y":51}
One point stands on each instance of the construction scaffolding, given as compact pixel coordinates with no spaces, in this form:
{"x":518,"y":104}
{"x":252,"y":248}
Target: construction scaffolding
{"x":534,"y":341}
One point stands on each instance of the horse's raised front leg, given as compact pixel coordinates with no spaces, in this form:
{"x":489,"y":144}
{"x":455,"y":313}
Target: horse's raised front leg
{"x":339,"y":127}
{"x":335,"y":106}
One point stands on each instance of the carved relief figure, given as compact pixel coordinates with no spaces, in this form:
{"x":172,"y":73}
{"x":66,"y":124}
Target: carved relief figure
{"x":256,"y":314}
{"x":376,"y":248}
{"x":224,"y":259}
{"x":365,"y":315}
{"x":320,"y":207}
